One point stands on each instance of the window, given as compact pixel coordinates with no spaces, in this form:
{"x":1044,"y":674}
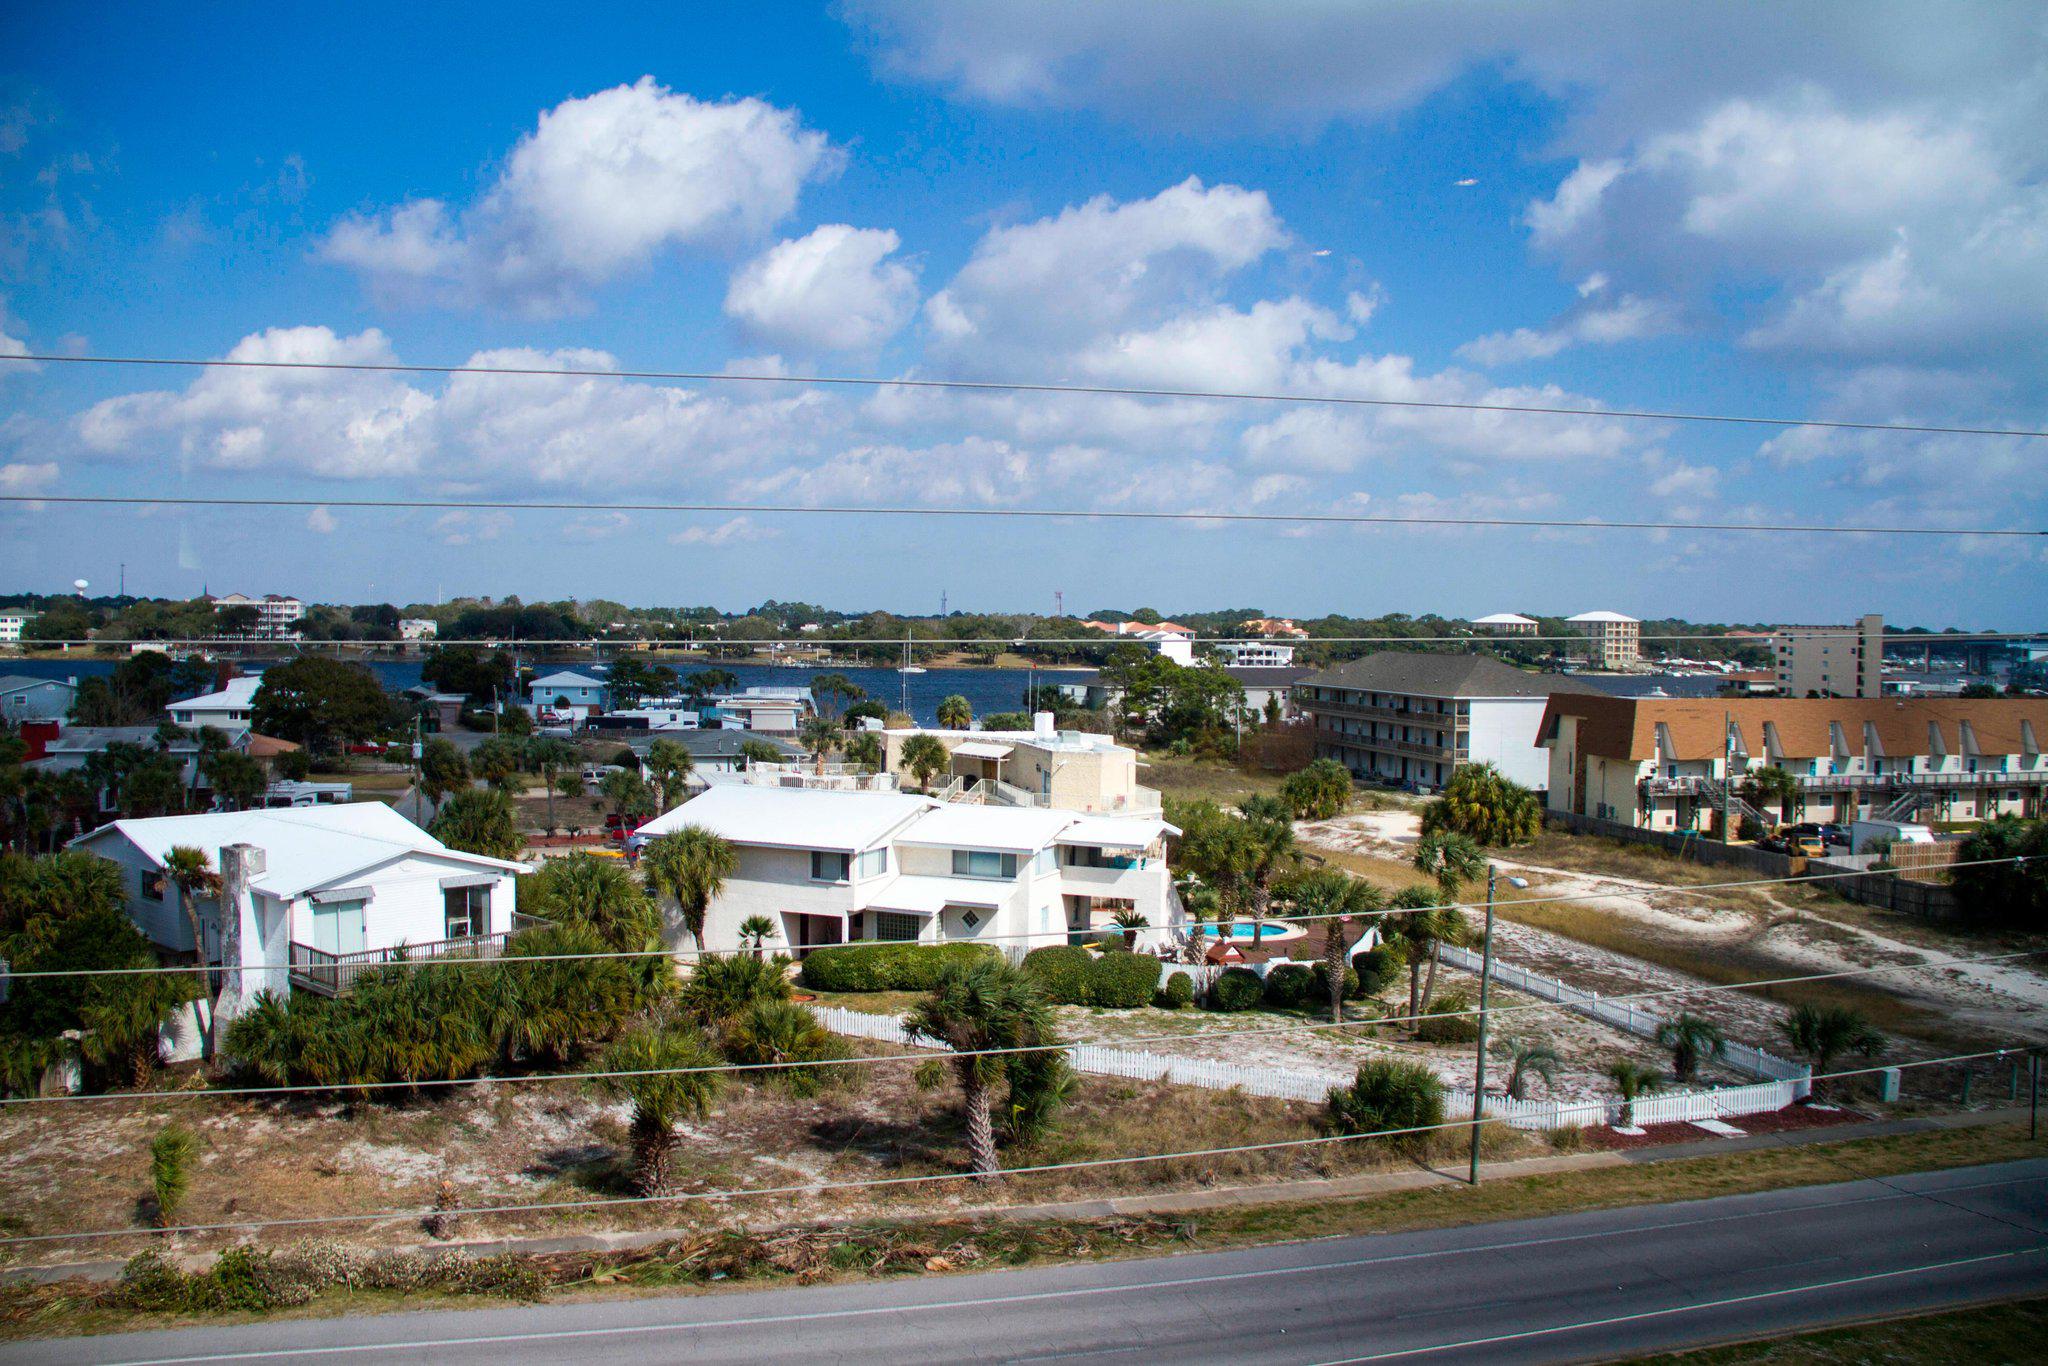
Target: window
{"x":891,"y":925}
{"x":152,"y":885}
{"x":1046,"y":861}
{"x":827,"y":866}
{"x":983,"y":863}
{"x":466,"y":911}
{"x":873,"y":862}
{"x":970,"y":919}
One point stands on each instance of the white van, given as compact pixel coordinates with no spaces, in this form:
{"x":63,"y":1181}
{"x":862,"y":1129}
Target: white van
{"x":1863,"y":834}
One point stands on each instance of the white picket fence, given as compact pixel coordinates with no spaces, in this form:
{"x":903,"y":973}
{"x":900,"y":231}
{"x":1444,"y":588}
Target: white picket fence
{"x":1314,"y":1086}
{"x":1627,"y":1016}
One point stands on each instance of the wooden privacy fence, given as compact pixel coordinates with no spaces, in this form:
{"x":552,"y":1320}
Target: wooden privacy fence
{"x":1314,"y":1085}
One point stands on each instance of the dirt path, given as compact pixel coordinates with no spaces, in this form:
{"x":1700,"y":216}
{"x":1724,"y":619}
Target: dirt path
{"x":2008,"y":999}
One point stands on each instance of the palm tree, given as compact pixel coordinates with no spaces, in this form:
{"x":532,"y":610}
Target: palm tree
{"x":235,"y":778}
{"x":755,"y":932}
{"x":1130,"y":920}
{"x":1824,"y":1033}
{"x":598,"y":894}
{"x":820,"y":735}
{"x":1425,"y":924}
{"x":1531,"y":1060}
{"x":976,"y":1006}
{"x":478,"y":821}
{"x":443,"y":770}
{"x":1690,"y":1038}
{"x":192,"y":874}
{"x":669,"y":766}
{"x":660,"y":1100}
{"x":955,"y":712}
{"x":551,"y":758}
{"x":1481,"y":802}
{"x":691,"y":865}
{"x":1273,"y":852}
{"x":864,"y":749}
{"x":1334,"y":893}
{"x":924,"y":757}
{"x":1772,"y":783}
{"x":1451,"y":858}
{"x":1632,"y":1079}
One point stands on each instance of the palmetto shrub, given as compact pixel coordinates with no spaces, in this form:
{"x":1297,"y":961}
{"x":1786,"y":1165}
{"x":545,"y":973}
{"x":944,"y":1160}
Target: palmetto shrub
{"x":549,"y":1008}
{"x":886,"y":966}
{"x":1387,"y":1096}
{"x":769,"y":1033}
{"x":1236,"y":989}
{"x":721,"y":989}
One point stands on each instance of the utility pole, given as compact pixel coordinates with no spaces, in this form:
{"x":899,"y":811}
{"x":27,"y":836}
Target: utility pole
{"x":1485,"y":985}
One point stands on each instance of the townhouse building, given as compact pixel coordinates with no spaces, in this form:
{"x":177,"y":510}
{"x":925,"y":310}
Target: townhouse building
{"x":1669,"y":763}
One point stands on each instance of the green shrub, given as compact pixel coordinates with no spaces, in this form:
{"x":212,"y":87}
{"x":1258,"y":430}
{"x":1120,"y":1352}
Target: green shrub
{"x":1236,"y":989}
{"x":170,"y":1170}
{"x":771,"y":1032}
{"x":1061,"y":972}
{"x":1389,"y":1096}
{"x":885,"y":967}
{"x":1290,"y":985}
{"x":1122,"y":981}
{"x":1321,"y":973}
{"x":1177,"y":993}
{"x":722,"y":989}
{"x":1377,"y":968}
{"x":1456,"y":1029}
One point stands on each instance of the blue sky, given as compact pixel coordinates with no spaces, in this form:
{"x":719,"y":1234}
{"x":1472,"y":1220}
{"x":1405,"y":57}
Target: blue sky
{"x":1743,"y":208}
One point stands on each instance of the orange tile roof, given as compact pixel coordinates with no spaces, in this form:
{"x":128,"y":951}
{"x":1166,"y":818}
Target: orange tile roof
{"x":1626,"y":727}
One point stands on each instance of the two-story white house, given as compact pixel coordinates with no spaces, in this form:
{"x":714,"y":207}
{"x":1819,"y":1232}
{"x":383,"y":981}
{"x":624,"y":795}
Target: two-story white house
{"x":831,"y":867}
{"x":232,"y":708}
{"x":310,"y":895}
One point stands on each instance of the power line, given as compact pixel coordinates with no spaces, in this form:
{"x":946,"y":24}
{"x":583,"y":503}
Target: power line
{"x":682,"y":1197}
{"x":712,"y":642}
{"x":693,"y":954}
{"x":1014,"y":386}
{"x":1083,"y":513}
{"x":869,"y":1060}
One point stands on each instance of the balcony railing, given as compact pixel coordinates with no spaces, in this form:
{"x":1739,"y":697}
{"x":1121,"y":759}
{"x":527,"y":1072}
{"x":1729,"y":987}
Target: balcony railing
{"x":330,"y":974}
{"x":1693,"y":784}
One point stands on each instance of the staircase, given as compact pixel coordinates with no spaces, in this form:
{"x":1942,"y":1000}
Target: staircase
{"x":1906,"y":805}
{"x":1717,"y":794}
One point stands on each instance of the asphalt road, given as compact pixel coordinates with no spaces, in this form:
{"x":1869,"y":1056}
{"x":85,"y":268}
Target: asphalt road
{"x":1571,"y":1287}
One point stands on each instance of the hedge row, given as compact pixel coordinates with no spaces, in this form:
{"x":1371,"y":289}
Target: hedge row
{"x":1070,"y":975}
{"x":885,"y":967}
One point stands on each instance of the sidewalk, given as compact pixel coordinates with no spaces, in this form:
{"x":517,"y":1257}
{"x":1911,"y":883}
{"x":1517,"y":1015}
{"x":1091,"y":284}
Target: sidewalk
{"x":1167,"y":1203}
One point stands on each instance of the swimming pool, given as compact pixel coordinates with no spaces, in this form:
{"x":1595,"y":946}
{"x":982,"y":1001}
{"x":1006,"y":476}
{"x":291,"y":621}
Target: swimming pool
{"x":1242,"y":931}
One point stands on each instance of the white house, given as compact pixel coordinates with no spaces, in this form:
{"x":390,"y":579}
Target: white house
{"x":13,"y":625}
{"x":310,"y":895}
{"x":231,"y":709}
{"x":769,"y":709}
{"x":418,"y":628}
{"x":1253,"y":654}
{"x":567,"y":693}
{"x":35,"y":699}
{"x":831,"y":867}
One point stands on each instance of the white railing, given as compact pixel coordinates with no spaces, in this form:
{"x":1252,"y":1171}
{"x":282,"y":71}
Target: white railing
{"x":1314,"y":1085}
{"x":1624,"y":1015}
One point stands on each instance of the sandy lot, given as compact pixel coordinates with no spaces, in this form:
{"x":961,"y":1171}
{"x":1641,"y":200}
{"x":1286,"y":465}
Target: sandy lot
{"x":2001,"y":1000}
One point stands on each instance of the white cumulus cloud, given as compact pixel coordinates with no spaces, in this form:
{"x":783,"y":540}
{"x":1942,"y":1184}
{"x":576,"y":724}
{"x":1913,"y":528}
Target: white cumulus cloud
{"x":833,"y":289}
{"x":601,"y":185}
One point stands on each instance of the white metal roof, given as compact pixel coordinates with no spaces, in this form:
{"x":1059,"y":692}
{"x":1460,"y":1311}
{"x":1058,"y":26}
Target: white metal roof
{"x":1116,"y":832}
{"x":930,"y":895}
{"x":793,"y":818}
{"x":1600,"y":616}
{"x":1507,"y":619}
{"x":566,"y":679}
{"x":239,"y":693}
{"x":958,"y":825}
{"x":982,"y":749}
{"x":307,"y":847}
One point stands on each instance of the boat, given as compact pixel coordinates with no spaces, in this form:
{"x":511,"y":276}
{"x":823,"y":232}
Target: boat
{"x":908,"y":667}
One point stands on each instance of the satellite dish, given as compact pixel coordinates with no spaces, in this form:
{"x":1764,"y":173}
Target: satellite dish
{"x":80,"y":584}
